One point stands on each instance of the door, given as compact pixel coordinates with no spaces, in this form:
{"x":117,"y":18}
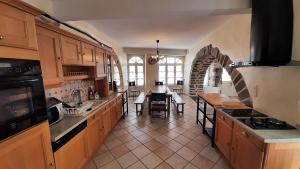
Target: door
{"x":28,"y":150}
{"x":100,"y":63}
{"x":74,"y":154}
{"x":71,"y":51}
{"x":245,"y":154}
{"x":223,"y":138}
{"x":88,"y":54}
{"x":49,"y":51}
{"x":17,"y":28}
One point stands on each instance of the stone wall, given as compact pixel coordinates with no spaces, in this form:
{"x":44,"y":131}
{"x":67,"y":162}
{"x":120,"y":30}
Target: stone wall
{"x":202,"y":61}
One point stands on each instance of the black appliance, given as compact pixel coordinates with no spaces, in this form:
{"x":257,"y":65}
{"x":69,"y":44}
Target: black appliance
{"x":266,"y":123}
{"x":271,"y":33}
{"x":63,"y":140}
{"x":22,"y":97}
{"x":244,"y":113}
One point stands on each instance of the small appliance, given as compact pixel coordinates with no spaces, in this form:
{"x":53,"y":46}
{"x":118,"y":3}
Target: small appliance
{"x":55,"y":110}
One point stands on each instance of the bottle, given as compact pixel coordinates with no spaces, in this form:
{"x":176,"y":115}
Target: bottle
{"x":91,"y":94}
{"x":97,"y":96}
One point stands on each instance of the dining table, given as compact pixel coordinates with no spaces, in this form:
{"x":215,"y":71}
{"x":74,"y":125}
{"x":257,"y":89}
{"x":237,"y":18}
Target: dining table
{"x":161,"y":89}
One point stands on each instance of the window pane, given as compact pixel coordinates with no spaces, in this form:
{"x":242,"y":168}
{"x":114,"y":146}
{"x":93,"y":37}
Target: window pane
{"x":132,"y":69}
{"x":162,"y":68}
{"x":140,"y":69}
{"x":178,"y":74}
{"x":162,"y":61}
{"x":171,"y":74}
{"x":138,"y":60}
{"x":132,"y":75}
{"x":178,"y":68}
{"x":170,"y":68}
{"x":162,"y":79}
{"x":170,"y":80}
{"x":178,"y":60}
{"x":131,"y":79}
{"x":140,"y":75}
{"x":135,"y":59}
{"x":140,"y":82}
{"x":170,"y":60}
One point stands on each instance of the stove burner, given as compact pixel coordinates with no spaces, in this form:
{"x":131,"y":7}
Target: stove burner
{"x":266,"y":123}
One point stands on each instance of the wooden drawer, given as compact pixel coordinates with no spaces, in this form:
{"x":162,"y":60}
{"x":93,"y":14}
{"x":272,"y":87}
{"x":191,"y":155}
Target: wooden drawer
{"x":252,"y":138}
{"x":224,"y":118}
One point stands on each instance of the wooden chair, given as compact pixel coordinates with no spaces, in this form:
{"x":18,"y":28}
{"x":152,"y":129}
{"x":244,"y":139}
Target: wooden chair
{"x":158,"y":83}
{"x":179,"y":87}
{"x":133,"y":90}
{"x":158,"y":103}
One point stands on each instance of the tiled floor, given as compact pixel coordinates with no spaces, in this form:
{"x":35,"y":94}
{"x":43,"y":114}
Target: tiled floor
{"x":141,"y":142}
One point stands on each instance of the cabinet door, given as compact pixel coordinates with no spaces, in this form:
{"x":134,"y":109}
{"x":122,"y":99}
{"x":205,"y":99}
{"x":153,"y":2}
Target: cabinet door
{"x":28,"y":150}
{"x":119,"y":109}
{"x":100,"y":63}
{"x":17,"y":28}
{"x":223,"y":138}
{"x":49,"y":51}
{"x":71,"y":51}
{"x":93,"y":133}
{"x":113,"y":113}
{"x":107,"y":121}
{"x":88,"y":54}
{"x":245,"y":154}
{"x":74,"y":154}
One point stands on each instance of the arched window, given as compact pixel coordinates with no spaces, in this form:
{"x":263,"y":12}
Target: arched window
{"x":136,"y":70}
{"x":170,"y":69}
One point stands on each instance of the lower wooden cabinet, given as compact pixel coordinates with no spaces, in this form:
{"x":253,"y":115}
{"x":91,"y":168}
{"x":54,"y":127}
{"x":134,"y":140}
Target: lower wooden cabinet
{"x":30,"y":149}
{"x":107,"y":121}
{"x":74,"y":154}
{"x":95,"y":133}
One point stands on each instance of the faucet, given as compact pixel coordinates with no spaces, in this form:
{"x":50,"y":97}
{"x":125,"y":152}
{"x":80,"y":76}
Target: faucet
{"x":76,"y":94}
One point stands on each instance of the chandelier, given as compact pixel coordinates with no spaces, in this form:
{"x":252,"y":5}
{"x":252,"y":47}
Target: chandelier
{"x":155,"y":58}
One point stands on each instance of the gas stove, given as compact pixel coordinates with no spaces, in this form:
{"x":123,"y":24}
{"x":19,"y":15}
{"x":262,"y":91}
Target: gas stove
{"x":265,"y":123}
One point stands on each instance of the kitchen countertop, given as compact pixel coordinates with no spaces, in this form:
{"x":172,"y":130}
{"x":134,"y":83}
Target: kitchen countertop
{"x":68,"y":123}
{"x":270,"y":136}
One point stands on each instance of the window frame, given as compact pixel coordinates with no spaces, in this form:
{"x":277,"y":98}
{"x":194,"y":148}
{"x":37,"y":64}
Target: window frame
{"x":175,"y":64}
{"x":136,"y":68}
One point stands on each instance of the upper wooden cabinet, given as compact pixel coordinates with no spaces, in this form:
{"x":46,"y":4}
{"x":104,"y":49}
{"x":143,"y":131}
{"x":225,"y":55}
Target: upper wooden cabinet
{"x":28,"y":150}
{"x":71,"y":51}
{"x":17,"y":31}
{"x":50,"y":54}
{"x":100,"y":70}
{"x":88,"y":54}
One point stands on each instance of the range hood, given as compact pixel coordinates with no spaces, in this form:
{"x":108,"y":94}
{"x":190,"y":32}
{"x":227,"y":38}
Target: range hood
{"x":271,"y":33}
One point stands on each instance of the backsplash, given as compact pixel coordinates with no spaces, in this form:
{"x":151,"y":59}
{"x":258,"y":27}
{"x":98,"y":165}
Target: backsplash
{"x":64,"y":92}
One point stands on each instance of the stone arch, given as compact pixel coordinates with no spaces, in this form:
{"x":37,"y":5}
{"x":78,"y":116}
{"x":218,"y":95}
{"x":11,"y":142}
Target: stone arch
{"x":202,"y":61}
{"x":119,"y":66}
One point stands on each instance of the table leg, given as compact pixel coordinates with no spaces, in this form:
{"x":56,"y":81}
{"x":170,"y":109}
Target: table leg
{"x":204,"y":118}
{"x":169,"y":102}
{"x":214,"y":128}
{"x":197,"y":118}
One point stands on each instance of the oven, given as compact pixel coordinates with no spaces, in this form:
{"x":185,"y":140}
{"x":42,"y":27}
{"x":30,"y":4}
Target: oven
{"x":22,"y":97}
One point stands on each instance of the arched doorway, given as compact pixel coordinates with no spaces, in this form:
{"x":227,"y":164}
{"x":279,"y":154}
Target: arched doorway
{"x":204,"y":58}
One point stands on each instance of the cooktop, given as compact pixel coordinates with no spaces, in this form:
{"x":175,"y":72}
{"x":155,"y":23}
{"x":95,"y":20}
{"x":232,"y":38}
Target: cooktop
{"x":244,"y":113}
{"x":266,"y":123}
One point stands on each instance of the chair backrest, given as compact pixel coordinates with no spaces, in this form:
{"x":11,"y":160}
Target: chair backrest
{"x":158,"y":83}
{"x":158,"y":97}
{"x":131,"y":84}
{"x":179,"y":82}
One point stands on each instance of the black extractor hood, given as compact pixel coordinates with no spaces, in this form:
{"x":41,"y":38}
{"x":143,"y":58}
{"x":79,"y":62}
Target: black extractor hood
{"x":271,"y":33}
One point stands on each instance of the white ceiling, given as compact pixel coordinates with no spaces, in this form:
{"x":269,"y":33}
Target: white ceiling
{"x":138,"y":23}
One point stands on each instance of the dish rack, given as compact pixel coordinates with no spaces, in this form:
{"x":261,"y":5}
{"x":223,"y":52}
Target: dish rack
{"x":83,"y":110}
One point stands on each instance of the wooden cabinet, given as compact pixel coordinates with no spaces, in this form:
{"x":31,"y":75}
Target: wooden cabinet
{"x":223,"y":133}
{"x":71,"y":51}
{"x":247,"y":151}
{"x":119,"y":109}
{"x":100,"y":70}
{"x":17,"y":32}
{"x":107,"y":120}
{"x":113,"y":113}
{"x":74,"y":154}
{"x":88,"y":54}
{"x":50,"y":54}
{"x":95,"y":133}
{"x":30,"y":149}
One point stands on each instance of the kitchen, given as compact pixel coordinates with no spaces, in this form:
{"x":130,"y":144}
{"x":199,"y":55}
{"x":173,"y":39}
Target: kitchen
{"x":87,"y":105}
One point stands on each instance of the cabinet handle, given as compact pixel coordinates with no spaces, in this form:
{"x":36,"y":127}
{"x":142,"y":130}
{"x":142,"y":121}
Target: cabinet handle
{"x":51,"y":164}
{"x":58,"y":58}
{"x":245,"y":134}
{"x":82,"y":53}
{"x":223,"y":118}
{"x":1,"y":37}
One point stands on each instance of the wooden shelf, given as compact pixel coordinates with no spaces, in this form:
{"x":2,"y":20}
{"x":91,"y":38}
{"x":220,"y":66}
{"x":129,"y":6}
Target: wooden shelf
{"x":78,"y":77}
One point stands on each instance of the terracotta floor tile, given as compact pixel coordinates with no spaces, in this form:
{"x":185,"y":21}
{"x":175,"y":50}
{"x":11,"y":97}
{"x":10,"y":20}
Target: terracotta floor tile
{"x":176,"y":161}
{"x":186,"y":153}
{"x":119,"y":151}
{"x":164,"y":165}
{"x":103,"y":159}
{"x":182,"y":140}
{"x":202,"y":162}
{"x":151,"y":160}
{"x":163,"y":139}
{"x":174,"y":145}
{"x":144,"y":138}
{"x":133,"y":144}
{"x":141,"y":151}
{"x":112,"y":165}
{"x":164,"y":152}
{"x":210,"y":153}
{"x":137,"y":165}
{"x":127,"y":160}
{"x":153,"y":144}
{"x":190,"y":166}
{"x":194,"y":146}
{"x":126,"y":138}
{"x":136,"y":133}
{"x":120,"y":132}
{"x":172,"y":134}
{"x":91,"y":165}
{"x":154,"y":134}
{"x":113,"y":143}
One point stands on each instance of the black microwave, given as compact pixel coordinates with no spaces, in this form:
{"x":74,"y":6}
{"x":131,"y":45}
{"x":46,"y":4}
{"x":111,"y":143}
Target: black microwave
{"x":22,"y":96}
